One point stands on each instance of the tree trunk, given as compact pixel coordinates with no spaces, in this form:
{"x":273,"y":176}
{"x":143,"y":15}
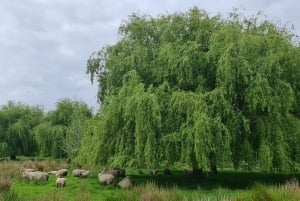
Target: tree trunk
{"x":213,"y":163}
{"x":196,"y":170}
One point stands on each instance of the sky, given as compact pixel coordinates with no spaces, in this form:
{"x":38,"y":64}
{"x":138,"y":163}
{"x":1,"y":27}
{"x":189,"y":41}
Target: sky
{"x":45,"y":44}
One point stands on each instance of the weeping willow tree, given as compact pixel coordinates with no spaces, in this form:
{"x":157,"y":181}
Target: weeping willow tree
{"x":197,"y":89}
{"x":128,"y":129}
{"x":252,"y":68}
{"x":61,"y":132}
{"x":17,"y":121}
{"x":50,"y":139}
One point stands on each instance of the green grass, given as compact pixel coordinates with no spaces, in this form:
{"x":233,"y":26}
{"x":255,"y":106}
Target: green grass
{"x":227,"y":185}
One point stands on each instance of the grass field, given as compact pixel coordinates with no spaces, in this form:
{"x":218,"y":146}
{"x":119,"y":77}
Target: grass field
{"x":227,"y":185}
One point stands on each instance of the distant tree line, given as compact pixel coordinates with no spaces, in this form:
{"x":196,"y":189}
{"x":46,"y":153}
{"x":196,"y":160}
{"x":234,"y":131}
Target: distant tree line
{"x":28,"y":130}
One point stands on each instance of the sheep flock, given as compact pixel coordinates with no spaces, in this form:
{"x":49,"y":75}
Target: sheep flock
{"x":114,"y":176}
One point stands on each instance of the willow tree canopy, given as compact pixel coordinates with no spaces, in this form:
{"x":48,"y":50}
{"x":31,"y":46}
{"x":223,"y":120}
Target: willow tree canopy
{"x":197,"y":89}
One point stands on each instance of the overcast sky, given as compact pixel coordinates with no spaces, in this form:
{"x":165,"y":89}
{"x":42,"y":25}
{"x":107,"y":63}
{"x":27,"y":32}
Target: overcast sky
{"x":44,"y":44}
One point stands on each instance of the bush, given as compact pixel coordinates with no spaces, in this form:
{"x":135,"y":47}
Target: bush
{"x":5,"y":183}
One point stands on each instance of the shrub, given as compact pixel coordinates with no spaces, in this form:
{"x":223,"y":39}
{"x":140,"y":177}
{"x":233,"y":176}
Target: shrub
{"x":5,"y":183}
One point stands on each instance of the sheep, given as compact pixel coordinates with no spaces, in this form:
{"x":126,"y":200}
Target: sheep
{"x":36,"y":176}
{"x":84,"y":174}
{"x":42,"y":176}
{"x":125,"y":183}
{"x":61,"y":182}
{"x":27,"y":176}
{"x":77,"y":172}
{"x":106,"y":178}
{"x":22,"y":169}
{"x":52,"y":173}
{"x":61,"y":173}
{"x":115,"y":173}
{"x":121,"y":171}
{"x":80,"y":173}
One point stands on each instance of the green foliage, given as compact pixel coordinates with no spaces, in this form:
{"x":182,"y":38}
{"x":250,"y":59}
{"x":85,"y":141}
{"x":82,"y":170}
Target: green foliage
{"x":3,"y":149}
{"x":50,"y":139}
{"x":207,"y":91}
{"x":61,"y":132}
{"x":16,"y":124}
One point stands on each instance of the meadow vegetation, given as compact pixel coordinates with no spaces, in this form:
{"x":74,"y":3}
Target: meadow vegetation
{"x":227,"y":185}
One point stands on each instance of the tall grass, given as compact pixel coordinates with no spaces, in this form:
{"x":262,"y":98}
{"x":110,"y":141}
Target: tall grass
{"x":150,"y":192}
{"x":8,"y":170}
{"x":83,"y":194}
{"x":9,"y":196}
{"x":5,"y":183}
{"x":290,"y":191}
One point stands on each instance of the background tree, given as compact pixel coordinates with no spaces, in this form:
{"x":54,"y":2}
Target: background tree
{"x":16,"y":124}
{"x":61,"y":133}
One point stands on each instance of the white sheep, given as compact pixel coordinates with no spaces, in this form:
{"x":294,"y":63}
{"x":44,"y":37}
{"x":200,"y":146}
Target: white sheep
{"x":61,"y":173}
{"x":61,"y":182}
{"x":22,"y":169}
{"x":80,"y":173}
{"x":125,"y":183}
{"x":84,"y":174}
{"x":52,"y":172}
{"x":36,"y":176}
{"x":116,"y":173}
{"x":106,"y":178}
{"x":77,"y":172}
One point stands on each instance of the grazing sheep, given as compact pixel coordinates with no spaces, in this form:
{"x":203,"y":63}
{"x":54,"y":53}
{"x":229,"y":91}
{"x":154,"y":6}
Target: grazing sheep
{"x":125,"y":183}
{"x":61,"y":182}
{"x":27,"y":176}
{"x":84,"y":174}
{"x":167,"y":172}
{"x":22,"y":169}
{"x":52,"y":172}
{"x":80,"y":173}
{"x":42,"y":176}
{"x":77,"y":172}
{"x":106,"y":178}
{"x":36,"y":176}
{"x":115,"y":173}
{"x":62,"y":173}
{"x":121,"y":171}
